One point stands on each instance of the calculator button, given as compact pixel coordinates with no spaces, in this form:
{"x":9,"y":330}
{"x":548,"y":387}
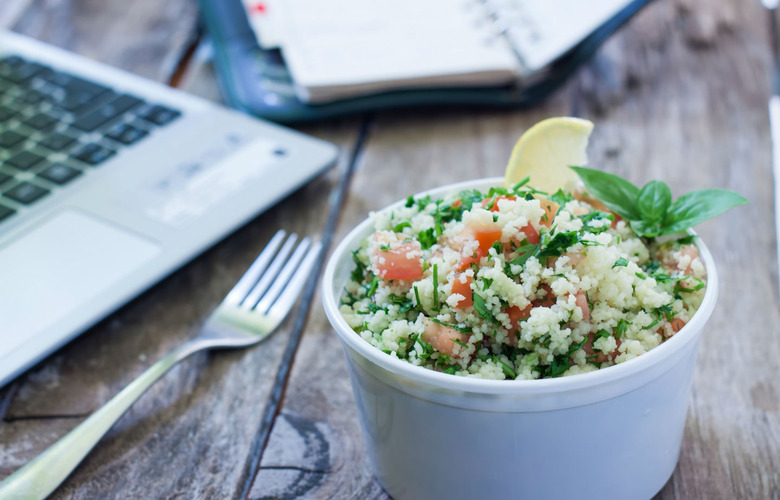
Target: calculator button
{"x":4,"y":178}
{"x":59,"y":173}
{"x":26,"y":193}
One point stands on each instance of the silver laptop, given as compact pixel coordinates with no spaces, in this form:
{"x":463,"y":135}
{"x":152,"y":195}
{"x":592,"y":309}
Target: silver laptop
{"x":108,"y":182}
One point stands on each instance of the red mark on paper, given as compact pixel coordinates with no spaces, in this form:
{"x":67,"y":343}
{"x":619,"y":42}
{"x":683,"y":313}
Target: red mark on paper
{"x":259,"y":8}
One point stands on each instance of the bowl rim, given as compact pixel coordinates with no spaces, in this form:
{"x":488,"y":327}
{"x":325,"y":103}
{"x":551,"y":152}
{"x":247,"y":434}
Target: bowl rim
{"x":489,"y":386}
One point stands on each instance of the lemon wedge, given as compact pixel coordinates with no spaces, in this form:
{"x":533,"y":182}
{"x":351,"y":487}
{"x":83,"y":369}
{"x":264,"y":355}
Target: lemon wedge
{"x":546,"y":150}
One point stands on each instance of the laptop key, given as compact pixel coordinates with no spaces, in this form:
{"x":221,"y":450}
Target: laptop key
{"x":97,"y":117}
{"x":127,"y":134}
{"x":59,"y":173}
{"x":94,"y":154}
{"x":40,"y":121}
{"x":10,"y":139}
{"x":24,"y":160}
{"x":26,"y":193}
{"x":7,"y":64}
{"x":160,"y":115}
{"x":32,"y":96}
{"x":75,"y":84}
{"x":23,"y":72}
{"x":6,"y":113}
{"x":6,"y":212}
{"x":57,"y":141}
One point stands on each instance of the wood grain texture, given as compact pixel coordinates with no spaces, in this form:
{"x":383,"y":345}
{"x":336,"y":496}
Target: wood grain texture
{"x":679,"y":94}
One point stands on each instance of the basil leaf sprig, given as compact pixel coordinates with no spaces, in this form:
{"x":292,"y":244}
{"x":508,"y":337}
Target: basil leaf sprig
{"x":650,"y":211}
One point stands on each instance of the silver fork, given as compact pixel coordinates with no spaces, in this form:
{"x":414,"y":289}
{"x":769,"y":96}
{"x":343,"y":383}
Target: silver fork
{"x":253,"y":309}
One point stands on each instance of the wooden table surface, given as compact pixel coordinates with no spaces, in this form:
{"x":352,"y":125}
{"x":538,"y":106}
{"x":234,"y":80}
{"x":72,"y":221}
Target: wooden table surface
{"x":679,"y":93}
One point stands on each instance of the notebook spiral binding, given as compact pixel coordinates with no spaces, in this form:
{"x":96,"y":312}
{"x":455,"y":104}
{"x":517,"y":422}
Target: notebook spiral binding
{"x":510,"y":20}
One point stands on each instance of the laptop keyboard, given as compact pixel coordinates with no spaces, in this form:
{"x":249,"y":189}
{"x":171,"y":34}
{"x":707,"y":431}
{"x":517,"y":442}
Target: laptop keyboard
{"x":56,"y":127}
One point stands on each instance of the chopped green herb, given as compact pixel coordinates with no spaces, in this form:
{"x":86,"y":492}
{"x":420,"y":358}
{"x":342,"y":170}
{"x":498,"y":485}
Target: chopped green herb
{"x":523,"y":182}
{"x":427,"y":238}
{"x":462,"y":344}
{"x":561,"y":198}
{"x":621,"y":328}
{"x":461,"y":329}
{"x":525,"y":251}
{"x":678,"y":288}
{"x":621,"y":262}
{"x":372,"y":286}
{"x":401,"y":225}
{"x":508,"y":371}
{"x":436,"y":304}
{"x":486,"y":282}
{"x":360,"y":269}
{"x":481,"y":307}
{"x":559,"y":244}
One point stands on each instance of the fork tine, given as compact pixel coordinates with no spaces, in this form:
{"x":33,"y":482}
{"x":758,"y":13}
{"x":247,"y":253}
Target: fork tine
{"x":241,"y":289}
{"x":284,"y":276}
{"x":287,"y":298}
{"x":270,"y":274}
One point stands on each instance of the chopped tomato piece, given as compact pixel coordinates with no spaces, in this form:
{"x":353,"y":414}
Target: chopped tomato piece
{"x":516,"y":315}
{"x":466,"y":261}
{"x":677,"y":324}
{"x":442,"y":338}
{"x":600,"y":357}
{"x":464,"y":289}
{"x":548,"y":300}
{"x":550,"y":209}
{"x":401,"y":261}
{"x":531,"y":234}
{"x":582,"y":302}
{"x":486,"y":237}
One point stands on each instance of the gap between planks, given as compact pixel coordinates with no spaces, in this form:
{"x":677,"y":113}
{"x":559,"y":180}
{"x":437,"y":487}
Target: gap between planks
{"x":280,"y":384}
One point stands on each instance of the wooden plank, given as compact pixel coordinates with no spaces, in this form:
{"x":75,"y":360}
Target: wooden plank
{"x":679,"y":94}
{"x":191,"y":435}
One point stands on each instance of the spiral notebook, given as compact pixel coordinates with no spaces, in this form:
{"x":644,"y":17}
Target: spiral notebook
{"x":342,"y":49}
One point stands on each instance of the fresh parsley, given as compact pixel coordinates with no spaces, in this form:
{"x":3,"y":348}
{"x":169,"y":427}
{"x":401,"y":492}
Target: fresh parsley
{"x":650,"y":211}
{"x":481,"y":307}
{"x":427,"y":238}
{"x":621,"y":262}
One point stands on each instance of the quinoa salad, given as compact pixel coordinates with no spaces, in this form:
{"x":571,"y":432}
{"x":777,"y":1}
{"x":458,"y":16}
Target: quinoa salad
{"x":517,"y":284}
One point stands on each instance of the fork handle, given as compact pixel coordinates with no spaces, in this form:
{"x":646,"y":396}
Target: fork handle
{"x":47,"y":471}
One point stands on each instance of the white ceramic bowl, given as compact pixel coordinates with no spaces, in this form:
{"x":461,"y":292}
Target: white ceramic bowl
{"x":610,"y":434}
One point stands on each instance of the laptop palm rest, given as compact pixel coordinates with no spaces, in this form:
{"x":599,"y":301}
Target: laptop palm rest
{"x":59,"y":266}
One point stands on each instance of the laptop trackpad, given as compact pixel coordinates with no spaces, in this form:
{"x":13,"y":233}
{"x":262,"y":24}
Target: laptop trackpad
{"x":59,"y":266}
